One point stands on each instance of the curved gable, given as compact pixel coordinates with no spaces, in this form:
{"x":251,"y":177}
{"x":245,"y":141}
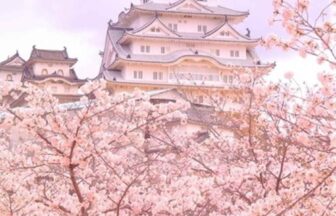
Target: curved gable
{"x":227,"y":32}
{"x":15,"y":60}
{"x":157,"y":28}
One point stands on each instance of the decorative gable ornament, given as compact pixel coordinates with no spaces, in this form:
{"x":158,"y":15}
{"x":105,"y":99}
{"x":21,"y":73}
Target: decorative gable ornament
{"x":189,"y":5}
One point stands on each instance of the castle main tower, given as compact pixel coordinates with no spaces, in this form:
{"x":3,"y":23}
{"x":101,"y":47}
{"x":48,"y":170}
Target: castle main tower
{"x":187,"y":45}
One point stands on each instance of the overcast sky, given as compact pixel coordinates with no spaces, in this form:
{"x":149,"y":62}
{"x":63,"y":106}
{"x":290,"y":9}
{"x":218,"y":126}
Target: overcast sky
{"x":81,"y":25}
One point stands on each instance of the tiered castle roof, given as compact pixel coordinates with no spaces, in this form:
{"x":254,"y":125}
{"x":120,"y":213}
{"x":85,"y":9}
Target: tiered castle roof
{"x":123,"y":32}
{"x":192,"y":7}
{"x":58,"y":56}
{"x":50,"y":56}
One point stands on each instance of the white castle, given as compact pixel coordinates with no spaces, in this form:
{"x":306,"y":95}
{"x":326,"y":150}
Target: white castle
{"x":186,"y":45}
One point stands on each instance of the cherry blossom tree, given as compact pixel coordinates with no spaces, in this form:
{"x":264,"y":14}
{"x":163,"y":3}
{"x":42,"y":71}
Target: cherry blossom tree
{"x":113,"y":155}
{"x":309,"y":33}
{"x":125,"y":155}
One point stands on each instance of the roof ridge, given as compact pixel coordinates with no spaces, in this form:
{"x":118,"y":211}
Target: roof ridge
{"x":164,"y":7}
{"x":11,"y":58}
{"x":196,"y":2}
{"x":232,"y":28}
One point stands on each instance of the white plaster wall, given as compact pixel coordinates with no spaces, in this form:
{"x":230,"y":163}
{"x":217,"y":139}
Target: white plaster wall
{"x":186,"y":68}
{"x":190,"y":24}
{"x":51,"y":67}
{"x":189,"y":129}
{"x":147,"y":72}
{"x":16,"y":76}
{"x":59,"y":88}
{"x":175,"y":45}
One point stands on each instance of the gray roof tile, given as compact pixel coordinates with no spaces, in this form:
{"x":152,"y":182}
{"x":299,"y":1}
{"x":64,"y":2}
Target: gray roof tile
{"x":160,"y":7}
{"x":51,"y":55}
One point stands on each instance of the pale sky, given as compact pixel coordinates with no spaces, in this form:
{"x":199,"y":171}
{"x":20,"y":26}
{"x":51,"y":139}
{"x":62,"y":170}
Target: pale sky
{"x":81,"y":25}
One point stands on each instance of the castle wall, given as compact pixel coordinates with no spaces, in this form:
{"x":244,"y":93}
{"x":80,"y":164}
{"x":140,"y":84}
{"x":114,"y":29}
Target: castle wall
{"x":51,"y":68}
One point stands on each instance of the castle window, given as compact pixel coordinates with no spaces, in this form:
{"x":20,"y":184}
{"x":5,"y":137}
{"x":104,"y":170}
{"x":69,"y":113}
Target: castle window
{"x":147,"y":49}
{"x":231,"y":79}
{"x":142,"y":49}
{"x":163,"y":50}
{"x":200,"y":99}
{"x":172,"y":26}
{"x":175,"y":27}
{"x":234,"y":53}
{"x":225,"y":33}
{"x":137,"y":75}
{"x":202,"y":28}
{"x":205,"y":29}
{"x":44,"y":72}
{"x":157,"y":30}
{"x":60,"y":72}
{"x":9,"y":78}
{"x":225,"y":78}
{"x":157,"y":76}
{"x":153,"y":29}
{"x":217,"y":52}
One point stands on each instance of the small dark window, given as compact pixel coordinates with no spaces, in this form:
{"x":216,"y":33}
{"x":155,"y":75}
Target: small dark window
{"x":9,"y":78}
{"x":60,"y":72}
{"x":205,"y":29}
{"x":44,"y":72}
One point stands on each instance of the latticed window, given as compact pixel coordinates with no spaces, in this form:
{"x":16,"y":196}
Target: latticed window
{"x":230,"y":79}
{"x":137,"y":75}
{"x":225,"y":78}
{"x":205,"y":28}
{"x":202,"y":28}
{"x":157,"y":76}
{"x":234,"y":53}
